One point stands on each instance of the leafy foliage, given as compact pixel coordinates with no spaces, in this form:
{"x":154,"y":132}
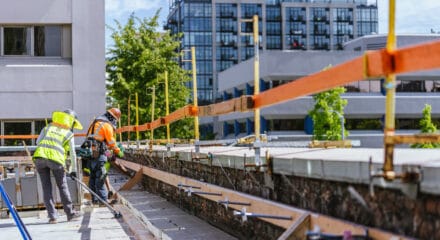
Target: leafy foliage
{"x":326,"y":121}
{"x":427,"y":126}
{"x":136,"y":62}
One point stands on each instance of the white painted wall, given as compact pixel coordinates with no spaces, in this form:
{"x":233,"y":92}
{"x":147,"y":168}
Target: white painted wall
{"x":33,"y":87}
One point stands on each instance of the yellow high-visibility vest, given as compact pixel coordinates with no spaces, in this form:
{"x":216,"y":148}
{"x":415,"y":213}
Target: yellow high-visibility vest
{"x":54,"y":144}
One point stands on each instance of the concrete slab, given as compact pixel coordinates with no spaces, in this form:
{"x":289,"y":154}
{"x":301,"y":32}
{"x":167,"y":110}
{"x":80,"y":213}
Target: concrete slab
{"x":336,"y":164}
{"x":165,"y":220}
{"x":96,"y":223}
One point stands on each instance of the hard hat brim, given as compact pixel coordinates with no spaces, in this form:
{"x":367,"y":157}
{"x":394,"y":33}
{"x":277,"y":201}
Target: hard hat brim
{"x":77,"y":125}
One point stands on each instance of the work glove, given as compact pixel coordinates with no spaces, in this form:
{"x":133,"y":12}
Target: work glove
{"x":120,"y":154}
{"x":120,"y":146}
{"x":73,"y":175}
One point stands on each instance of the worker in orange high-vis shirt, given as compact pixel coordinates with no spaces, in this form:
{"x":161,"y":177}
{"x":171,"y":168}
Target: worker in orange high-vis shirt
{"x":101,"y":133}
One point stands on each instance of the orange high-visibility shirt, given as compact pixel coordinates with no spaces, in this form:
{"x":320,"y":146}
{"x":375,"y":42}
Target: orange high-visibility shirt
{"x":103,"y":131}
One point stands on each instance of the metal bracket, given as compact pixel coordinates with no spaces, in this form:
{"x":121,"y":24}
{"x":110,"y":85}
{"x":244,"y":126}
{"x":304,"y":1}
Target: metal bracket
{"x":190,"y":191}
{"x":268,"y":164}
{"x":226,"y":202}
{"x":410,"y":175}
{"x":244,"y":215}
{"x":181,"y":186}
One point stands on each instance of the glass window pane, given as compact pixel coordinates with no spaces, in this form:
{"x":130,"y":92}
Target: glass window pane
{"x":16,"y":41}
{"x":374,"y":86}
{"x":364,"y":86}
{"x":17,"y":128}
{"x":47,"y":41}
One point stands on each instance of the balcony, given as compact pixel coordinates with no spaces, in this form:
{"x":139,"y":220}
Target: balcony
{"x":227,"y":29}
{"x":320,"y":19}
{"x":228,"y":43}
{"x":295,"y":45}
{"x":296,"y":32}
{"x":227,"y":15}
{"x":323,"y":46}
{"x":298,"y":18}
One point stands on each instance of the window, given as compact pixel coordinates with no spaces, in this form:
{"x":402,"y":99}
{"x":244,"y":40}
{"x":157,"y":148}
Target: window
{"x":17,"y":128}
{"x":286,"y":124}
{"x":47,"y":41}
{"x":38,"y":41}
{"x":16,"y":41}
{"x":363,"y":124}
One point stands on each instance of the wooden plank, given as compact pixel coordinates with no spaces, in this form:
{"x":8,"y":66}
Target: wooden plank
{"x":259,"y":205}
{"x":18,"y":136}
{"x":16,"y":158}
{"x":419,"y":57}
{"x":411,"y":139}
{"x":133,"y":181}
{"x":337,"y":226}
{"x":315,"y":83}
{"x":144,"y":127}
{"x":297,"y":231}
{"x":177,"y":115}
{"x":156,"y":124}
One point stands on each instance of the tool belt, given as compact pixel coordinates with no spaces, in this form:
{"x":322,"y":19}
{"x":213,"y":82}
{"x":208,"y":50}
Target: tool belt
{"x":93,"y":148}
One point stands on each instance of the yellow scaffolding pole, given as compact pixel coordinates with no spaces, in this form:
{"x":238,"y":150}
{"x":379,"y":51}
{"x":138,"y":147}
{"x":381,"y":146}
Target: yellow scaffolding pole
{"x":194,"y":75}
{"x":128,"y":116}
{"x":137,"y":120}
{"x":119,"y":122}
{"x":167,"y":107}
{"x":153,"y":101}
{"x":390,"y":102}
{"x":256,"y":77}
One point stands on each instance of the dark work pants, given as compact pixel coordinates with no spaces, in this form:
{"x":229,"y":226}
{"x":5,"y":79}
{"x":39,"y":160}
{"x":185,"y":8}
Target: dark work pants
{"x":44,"y":166}
{"x":97,"y":177}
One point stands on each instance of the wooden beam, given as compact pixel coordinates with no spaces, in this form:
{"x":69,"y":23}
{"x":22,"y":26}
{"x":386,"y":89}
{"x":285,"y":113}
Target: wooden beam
{"x":411,"y":139}
{"x":133,"y":181}
{"x":263,"y":206}
{"x":297,"y":231}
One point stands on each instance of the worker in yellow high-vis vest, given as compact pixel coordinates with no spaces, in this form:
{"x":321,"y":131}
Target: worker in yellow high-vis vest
{"x":54,"y":144}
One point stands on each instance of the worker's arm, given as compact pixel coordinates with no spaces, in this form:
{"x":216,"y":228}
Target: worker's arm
{"x":42,"y":134}
{"x":73,"y":166}
{"x":110,"y":139}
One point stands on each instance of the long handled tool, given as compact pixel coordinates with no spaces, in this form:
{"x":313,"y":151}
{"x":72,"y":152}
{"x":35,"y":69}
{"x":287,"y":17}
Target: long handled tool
{"x":24,"y":232}
{"x":115,"y":213}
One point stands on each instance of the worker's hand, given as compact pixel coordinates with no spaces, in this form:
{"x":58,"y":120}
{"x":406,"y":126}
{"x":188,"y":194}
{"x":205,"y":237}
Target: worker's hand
{"x":73,"y":175}
{"x":120,"y":146}
{"x":120,"y":154}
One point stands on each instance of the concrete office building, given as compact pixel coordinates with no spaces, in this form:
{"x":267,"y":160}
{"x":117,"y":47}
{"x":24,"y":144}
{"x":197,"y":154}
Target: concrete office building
{"x":215,"y":28}
{"x":52,"y":57}
{"x":366,"y":100}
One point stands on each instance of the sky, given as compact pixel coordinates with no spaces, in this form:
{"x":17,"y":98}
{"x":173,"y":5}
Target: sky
{"x":412,"y":16}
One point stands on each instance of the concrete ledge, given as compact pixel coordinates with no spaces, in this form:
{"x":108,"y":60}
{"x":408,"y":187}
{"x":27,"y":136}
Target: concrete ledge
{"x":345,"y":165}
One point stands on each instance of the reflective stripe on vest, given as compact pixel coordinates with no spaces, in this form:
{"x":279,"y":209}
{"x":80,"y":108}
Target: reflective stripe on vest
{"x":52,"y":143}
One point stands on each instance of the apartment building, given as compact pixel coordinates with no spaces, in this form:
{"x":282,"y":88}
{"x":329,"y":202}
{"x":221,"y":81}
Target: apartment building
{"x":222,"y":39}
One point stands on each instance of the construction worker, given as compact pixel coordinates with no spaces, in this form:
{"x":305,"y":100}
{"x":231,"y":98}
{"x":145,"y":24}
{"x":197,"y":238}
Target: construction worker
{"x":107,"y":166}
{"x":53,"y":144}
{"x":101,"y":131}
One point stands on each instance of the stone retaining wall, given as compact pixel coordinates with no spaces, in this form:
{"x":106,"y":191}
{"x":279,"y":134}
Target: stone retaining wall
{"x":390,"y":210}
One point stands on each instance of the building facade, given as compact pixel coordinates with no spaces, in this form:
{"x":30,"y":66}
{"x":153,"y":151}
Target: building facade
{"x":52,"y":57}
{"x":222,"y":39}
{"x":364,"y":113}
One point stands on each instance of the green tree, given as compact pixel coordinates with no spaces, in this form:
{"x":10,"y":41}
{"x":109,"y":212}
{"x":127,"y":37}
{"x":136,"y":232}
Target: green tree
{"x":136,"y":62}
{"x":329,"y":106}
{"x":427,"y":126}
